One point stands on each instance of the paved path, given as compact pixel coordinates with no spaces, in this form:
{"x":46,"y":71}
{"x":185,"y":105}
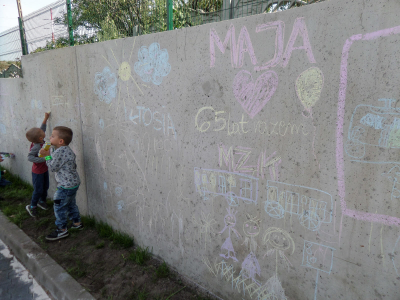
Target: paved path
{"x":15,"y":281}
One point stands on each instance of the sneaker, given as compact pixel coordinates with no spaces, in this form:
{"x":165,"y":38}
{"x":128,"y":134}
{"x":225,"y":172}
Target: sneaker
{"x":77,"y":227}
{"x":57,"y":234}
{"x":43,"y":205}
{"x":31,"y":210}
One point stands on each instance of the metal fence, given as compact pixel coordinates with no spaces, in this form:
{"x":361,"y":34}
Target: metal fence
{"x":101,"y":20}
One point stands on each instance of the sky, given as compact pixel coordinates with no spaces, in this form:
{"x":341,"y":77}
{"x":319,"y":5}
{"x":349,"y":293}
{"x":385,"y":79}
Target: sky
{"x":9,"y":11}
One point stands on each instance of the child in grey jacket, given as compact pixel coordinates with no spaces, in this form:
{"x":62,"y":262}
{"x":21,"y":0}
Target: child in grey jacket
{"x":62,"y":162}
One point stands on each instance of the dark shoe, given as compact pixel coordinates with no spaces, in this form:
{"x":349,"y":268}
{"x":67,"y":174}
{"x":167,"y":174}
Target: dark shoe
{"x":31,"y":211}
{"x":77,"y":227}
{"x":57,"y":234}
{"x":43,"y":205}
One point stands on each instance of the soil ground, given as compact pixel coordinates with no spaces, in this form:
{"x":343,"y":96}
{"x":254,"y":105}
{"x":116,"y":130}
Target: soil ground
{"x":107,"y":268}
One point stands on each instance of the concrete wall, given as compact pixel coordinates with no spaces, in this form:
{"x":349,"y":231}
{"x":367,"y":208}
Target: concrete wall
{"x":261,"y":167}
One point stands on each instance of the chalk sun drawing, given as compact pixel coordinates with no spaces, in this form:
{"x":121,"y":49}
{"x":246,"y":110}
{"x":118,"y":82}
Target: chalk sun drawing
{"x":254,"y":96}
{"x":153,"y":63}
{"x":105,"y":85}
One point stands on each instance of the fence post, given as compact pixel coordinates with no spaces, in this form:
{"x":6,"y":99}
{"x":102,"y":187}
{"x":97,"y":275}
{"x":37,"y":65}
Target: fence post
{"x":70,"y":29}
{"x":24,"y":45}
{"x":170,"y":21}
{"x":22,"y":35}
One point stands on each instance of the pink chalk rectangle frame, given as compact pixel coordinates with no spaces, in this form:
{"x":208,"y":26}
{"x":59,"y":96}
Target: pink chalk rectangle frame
{"x":358,"y":215}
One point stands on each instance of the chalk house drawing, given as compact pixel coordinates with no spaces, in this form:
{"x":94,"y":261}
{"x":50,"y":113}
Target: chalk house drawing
{"x":105,"y":85}
{"x":342,"y":146}
{"x":153,"y":64}
{"x":253,"y":96}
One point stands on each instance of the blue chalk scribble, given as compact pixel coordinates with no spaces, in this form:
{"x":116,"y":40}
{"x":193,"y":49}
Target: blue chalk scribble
{"x":101,"y":123}
{"x":105,"y":185}
{"x":118,"y":191}
{"x":153,"y":63}
{"x":120,"y":205}
{"x":105,"y":85}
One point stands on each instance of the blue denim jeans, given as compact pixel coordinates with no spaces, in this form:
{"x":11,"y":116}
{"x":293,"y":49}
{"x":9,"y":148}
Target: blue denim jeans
{"x":4,"y":182}
{"x":40,"y":186}
{"x":65,"y":207}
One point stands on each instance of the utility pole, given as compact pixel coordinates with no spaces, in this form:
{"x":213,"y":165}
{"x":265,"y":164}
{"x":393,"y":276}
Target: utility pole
{"x":52,"y":25}
{"x":24,"y":45}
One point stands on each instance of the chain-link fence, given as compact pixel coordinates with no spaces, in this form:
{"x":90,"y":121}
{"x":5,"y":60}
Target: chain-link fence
{"x":100,"y":20}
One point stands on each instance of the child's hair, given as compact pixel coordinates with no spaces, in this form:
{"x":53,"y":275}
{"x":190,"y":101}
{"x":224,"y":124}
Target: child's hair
{"x":33,"y":135}
{"x":64,"y":133}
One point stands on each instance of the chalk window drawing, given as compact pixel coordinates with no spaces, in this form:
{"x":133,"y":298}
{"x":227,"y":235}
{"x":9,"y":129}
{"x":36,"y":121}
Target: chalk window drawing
{"x":292,"y":203}
{"x":222,"y":185}
{"x":231,"y":181}
{"x":283,"y":198}
{"x":105,"y":85}
{"x":373,"y":127}
{"x":245,"y":188}
{"x":152,"y":64}
{"x":230,"y":223}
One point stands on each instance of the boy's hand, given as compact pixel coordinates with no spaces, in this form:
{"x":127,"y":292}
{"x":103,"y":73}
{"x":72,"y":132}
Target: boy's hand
{"x":46,"y":115}
{"x":44,"y":153}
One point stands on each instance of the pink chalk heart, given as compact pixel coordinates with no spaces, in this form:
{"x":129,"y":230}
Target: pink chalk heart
{"x":253,"y":96}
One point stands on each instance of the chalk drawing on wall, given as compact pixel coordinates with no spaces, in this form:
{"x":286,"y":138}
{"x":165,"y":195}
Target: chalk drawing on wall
{"x":36,"y":104}
{"x":272,"y":290}
{"x":278,"y":241}
{"x":230,"y":223}
{"x":232,"y":186}
{"x":105,"y":85}
{"x":152,"y":64}
{"x":318,"y":257}
{"x":235,"y":159}
{"x":373,"y":127}
{"x":204,"y":226}
{"x":393,"y":175}
{"x":58,"y":100}
{"x":308,"y":88}
{"x":250,"y":265}
{"x":253,"y":96}
{"x":310,"y":206}
{"x":395,"y":256}
{"x":342,"y":148}
{"x":309,"y":85}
